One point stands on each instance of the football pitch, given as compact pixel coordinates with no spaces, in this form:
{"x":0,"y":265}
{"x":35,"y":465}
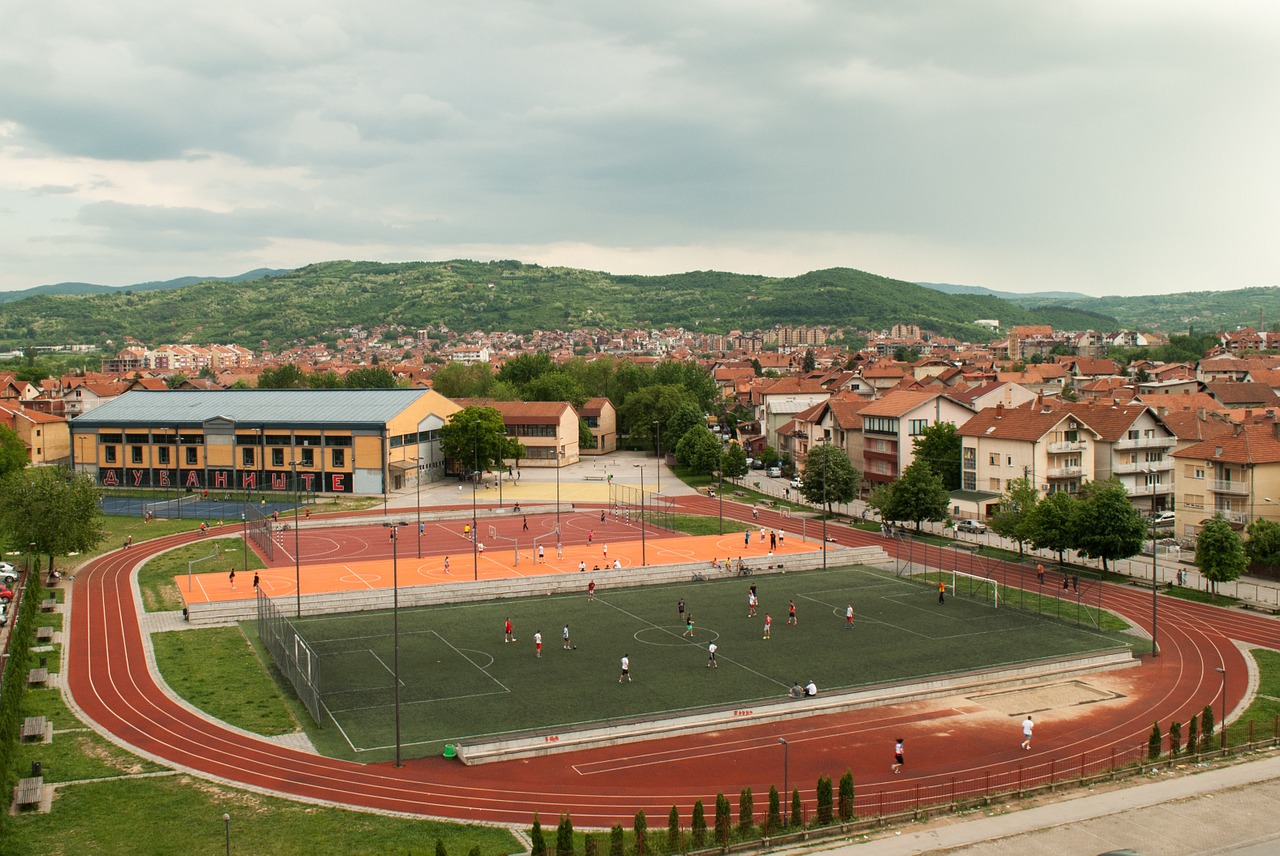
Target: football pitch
{"x":460,"y":681}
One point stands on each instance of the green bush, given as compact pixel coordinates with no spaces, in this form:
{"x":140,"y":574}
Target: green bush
{"x":774,"y":821}
{"x":641,"y":829}
{"x":722,"y":819}
{"x":1192,"y":739}
{"x":564,"y":836}
{"x":746,"y":812}
{"x":824,"y":801}
{"x":1175,"y":738}
{"x":537,"y":844}
{"x":699,"y":825}
{"x":847,"y":812}
{"x":1155,"y":742}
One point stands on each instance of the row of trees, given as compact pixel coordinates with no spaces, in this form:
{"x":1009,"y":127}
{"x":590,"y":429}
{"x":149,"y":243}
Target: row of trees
{"x":830,"y":806}
{"x":1199,"y":736}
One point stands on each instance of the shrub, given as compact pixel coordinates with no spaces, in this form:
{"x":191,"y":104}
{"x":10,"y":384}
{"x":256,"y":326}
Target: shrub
{"x":824,"y":801}
{"x":722,"y":819}
{"x":746,"y":812}
{"x":699,"y":825}
{"x":641,"y":828}
{"x":797,"y":808}
{"x":1175,"y":738}
{"x":1192,"y":739}
{"x":537,"y":844}
{"x":846,"y":797}
{"x":440,"y":851}
{"x":564,"y":836}
{"x":1154,"y":742}
{"x":673,"y":831}
{"x":774,"y":821}
{"x":616,"y":839}
{"x":1206,"y":728}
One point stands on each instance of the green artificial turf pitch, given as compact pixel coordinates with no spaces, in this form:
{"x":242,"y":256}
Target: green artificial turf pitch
{"x":460,"y":681}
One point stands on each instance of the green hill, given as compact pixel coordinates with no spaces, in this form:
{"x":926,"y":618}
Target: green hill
{"x":1203,"y":311}
{"x":505,"y":295}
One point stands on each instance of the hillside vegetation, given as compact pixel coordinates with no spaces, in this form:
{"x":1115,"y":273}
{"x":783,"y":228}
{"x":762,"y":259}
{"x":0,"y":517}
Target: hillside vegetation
{"x":505,"y":295}
{"x":1195,"y":311}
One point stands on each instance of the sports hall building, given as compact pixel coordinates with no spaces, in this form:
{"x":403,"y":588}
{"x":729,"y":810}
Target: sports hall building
{"x":335,"y":440}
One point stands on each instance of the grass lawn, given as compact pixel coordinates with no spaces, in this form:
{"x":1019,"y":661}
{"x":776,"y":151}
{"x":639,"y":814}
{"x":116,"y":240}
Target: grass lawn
{"x":1266,"y":704}
{"x":180,"y":814}
{"x":200,"y":666}
{"x":459,"y":680}
{"x":155,"y":578}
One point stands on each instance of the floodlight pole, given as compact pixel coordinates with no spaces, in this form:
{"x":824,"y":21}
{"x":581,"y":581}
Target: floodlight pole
{"x":395,"y":627}
{"x":657,"y":427}
{"x":417,"y":502}
{"x":824,"y":506}
{"x":720,"y":496}
{"x":475,"y":471}
{"x":643,"y":557}
{"x":297,"y":559}
{"x":558,"y":489}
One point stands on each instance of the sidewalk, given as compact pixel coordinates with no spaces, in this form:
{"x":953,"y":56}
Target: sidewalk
{"x":1230,"y":810}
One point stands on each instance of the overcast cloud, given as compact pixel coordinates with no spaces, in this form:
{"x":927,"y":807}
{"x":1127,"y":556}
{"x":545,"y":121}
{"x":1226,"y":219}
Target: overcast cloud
{"x":1109,"y":147}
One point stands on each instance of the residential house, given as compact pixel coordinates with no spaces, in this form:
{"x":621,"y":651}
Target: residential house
{"x":891,"y":423}
{"x":602,"y":418}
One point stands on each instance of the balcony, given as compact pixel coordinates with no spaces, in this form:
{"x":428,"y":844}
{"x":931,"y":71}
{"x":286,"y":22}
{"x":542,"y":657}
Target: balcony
{"x":1232,"y":487}
{"x":1148,"y":489}
{"x":1232,"y":516}
{"x":1062,"y":447}
{"x":1145,"y":443}
{"x":1143,"y":467}
{"x":1064,"y":472}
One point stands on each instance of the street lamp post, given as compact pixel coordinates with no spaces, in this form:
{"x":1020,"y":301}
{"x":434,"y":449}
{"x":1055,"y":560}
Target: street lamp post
{"x":786,"y":784}
{"x":1155,"y":647}
{"x":1223,"y":718}
{"x":297,"y":558}
{"x":417,"y":502}
{"x":226,"y":826}
{"x":558,"y":453}
{"x":824,"y":504}
{"x":657,"y":427}
{"x":720,"y":496}
{"x":395,"y":627}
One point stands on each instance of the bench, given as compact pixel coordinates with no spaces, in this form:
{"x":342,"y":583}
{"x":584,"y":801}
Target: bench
{"x":39,"y":676}
{"x":595,"y":478}
{"x":44,"y":634}
{"x":29,"y":791}
{"x":49,"y":604}
{"x":34,"y":727}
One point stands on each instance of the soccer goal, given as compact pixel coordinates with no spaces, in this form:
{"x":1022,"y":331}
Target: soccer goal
{"x":515,"y":542}
{"x":976,"y":587}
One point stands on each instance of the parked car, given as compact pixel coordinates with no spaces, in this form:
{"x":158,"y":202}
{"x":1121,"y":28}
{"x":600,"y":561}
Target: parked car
{"x":1165,"y":518}
{"x":7,"y":573}
{"x":750,"y":461}
{"x":5,"y":566}
{"x":774,"y":472}
{"x":797,"y":483}
{"x":977,"y":527}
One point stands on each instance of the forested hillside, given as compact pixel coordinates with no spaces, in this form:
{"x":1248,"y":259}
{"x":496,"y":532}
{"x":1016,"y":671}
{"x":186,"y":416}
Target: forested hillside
{"x":506,"y":295}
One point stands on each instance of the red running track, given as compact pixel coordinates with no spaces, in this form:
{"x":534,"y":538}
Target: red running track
{"x":110,"y":682}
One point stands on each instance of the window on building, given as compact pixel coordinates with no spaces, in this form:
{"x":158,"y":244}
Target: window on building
{"x":246,"y":456}
{"x":970,"y":481}
{"x":993,"y":459}
{"x":162,"y":456}
{"x":135,"y":454}
{"x":109,"y":454}
{"x":1133,"y":434}
{"x":277,"y":457}
{"x":994,"y":484}
{"x":339,"y":458}
{"x":308,"y":457}
{"x":918,"y":426}
{"x":193,"y":456}
{"x":1155,"y":457}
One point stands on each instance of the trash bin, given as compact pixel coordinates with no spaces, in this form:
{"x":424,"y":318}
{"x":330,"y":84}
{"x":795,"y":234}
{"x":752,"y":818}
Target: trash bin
{"x":450,"y":751}
{"x":37,"y":769}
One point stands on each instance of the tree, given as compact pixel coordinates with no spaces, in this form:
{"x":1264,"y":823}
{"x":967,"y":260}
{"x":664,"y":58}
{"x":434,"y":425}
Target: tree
{"x":918,"y":496}
{"x":13,"y":454}
{"x":1107,"y":526}
{"x":1052,"y":525}
{"x":641,"y":829}
{"x":617,"y":838}
{"x":1219,"y":553}
{"x":1206,"y":728}
{"x":1175,"y":738}
{"x":1016,"y":514}
{"x":325,"y":380}
{"x":586,"y":440}
{"x":176,"y":380}
{"x":810,"y":361}
{"x":746,"y":812}
{"x":1263,"y":546}
{"x":1193,"y":740}
{"x":460,"y":380}
{"x":722,"y":818}
{"x":564,"y":836}
{"x":773,"y":822}
{"x":824,"y":799}
{"x":698,"y":824}
{"x":555,"y":386}
{"x":287,"y":376}
{"x":475,"y":438}
{"x":369,"y":378}
{"x":537,"y":844}
{"x":797,"y":807}
{"x":522,"y":369}
{"x":755,"y":366}
{"x":699,"y":450}
{"x":846,"y":797}
{"x":733,"y":462}
{"x":55,"y":510}
{"x":681,"y":422}
{"x":939,"y":447}
{"x":829,"y":475}
{"x":652,"y":403}
{"x":673,"y":830}
{"x":1155,"y":742}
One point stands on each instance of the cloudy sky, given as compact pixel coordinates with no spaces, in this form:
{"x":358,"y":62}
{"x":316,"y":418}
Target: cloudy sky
{"x":1109,"y":147}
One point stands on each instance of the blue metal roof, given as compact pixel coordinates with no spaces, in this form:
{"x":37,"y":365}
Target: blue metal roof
{"x":271,"y":408}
